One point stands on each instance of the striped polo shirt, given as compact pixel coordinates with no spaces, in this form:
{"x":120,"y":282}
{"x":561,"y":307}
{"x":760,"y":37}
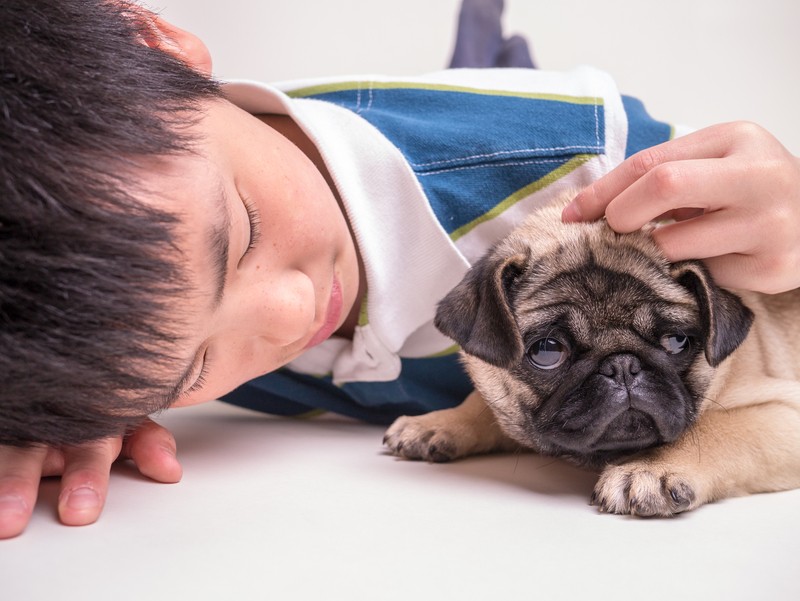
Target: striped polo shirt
{"x":432,"y":171}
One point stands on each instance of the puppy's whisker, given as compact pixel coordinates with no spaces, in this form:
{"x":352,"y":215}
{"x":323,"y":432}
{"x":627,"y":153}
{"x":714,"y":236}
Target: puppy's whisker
{"x":488,"y":405}
{"x":497,"y":400}
{"x":548,"y":464}
{"x":717,"y":403}
{"x":696,"y":440}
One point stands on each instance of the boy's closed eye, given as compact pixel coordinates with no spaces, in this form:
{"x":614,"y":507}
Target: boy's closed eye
{"x":199,"y":380}
{"x":199,"y":370}
{"x":193,"y":377}
{"x":254,"y":220}
{"x":196,"y":375}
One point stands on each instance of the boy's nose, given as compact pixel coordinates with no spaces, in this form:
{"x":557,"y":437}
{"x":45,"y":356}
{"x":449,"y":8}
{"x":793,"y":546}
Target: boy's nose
{"x":282,"y":310}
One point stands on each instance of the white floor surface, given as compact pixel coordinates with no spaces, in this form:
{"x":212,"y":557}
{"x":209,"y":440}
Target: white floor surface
{"x":304,"y":510}
{"x":285,"y":510}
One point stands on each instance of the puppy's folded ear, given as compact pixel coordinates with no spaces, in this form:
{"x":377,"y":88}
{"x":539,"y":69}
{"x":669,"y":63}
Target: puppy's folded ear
{"x":477,"y":313}
{"x":724,"y":318}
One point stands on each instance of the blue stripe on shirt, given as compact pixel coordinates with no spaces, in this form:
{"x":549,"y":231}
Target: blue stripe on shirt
{"x":643,"y":130}
{"x":426,"y":384}
{"x":455,"y":140}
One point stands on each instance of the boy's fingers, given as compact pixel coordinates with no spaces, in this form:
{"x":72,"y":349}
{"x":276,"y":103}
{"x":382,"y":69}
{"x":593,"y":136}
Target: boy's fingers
{"x":84,"y":483}
{"x":748,"y":272}
{"x":152,"y":448}
{"x":714,"y":234}
{"x":53,"y":463}
{"x":706,"y":185}
{"x":591,"y":203}
{"x":84,"y":471}
{"x":20,"y":472}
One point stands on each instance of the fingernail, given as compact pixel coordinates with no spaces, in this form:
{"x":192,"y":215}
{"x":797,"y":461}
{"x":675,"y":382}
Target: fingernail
{"x":571,"y":212}
{"x":81,"y":499}
{"x":11,"y":504}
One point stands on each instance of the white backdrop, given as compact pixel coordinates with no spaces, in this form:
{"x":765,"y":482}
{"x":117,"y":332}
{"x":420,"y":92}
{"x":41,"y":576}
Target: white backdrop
{"x":286,"y":510}
{"x":694,"y":62}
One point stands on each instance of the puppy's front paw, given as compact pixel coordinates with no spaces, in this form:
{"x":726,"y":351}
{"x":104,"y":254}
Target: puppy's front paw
{"x":448,"y":434}
{"x":424,"y":437}
{"x":644,"y":489}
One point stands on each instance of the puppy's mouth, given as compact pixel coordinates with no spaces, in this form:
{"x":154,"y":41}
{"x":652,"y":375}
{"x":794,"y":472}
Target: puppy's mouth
{"x":630,"y":430}
{"x":619,"y":430}
{"x":603,"y":419}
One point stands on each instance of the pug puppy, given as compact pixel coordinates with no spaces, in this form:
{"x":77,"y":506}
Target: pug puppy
{"x":586,"y":344}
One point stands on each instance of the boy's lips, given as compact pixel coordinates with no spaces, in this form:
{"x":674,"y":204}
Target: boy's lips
{"x":332,"y":315}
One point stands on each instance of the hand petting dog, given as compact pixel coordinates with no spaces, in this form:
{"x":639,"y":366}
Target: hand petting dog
{"x":589,"y":345}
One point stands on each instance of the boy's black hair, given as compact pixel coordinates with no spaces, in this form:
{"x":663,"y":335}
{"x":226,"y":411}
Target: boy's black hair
{"x":87,"y":272}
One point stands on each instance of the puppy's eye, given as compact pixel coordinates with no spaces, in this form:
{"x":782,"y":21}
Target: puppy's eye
{"x":675,"y":343}
{"x":547,"y":353}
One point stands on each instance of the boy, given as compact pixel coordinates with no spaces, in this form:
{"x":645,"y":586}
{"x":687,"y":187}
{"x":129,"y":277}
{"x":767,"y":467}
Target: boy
{"x":165,"y":242}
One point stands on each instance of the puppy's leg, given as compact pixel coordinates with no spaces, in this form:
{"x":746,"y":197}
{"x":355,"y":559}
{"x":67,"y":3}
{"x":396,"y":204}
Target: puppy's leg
{"x":448,"y":434}
{"x":727,"y":453}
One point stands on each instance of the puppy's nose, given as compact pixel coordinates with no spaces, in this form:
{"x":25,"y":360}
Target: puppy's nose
{"x":622,"y":368}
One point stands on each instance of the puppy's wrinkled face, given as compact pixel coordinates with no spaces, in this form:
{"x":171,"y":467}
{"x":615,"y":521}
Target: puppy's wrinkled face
{"x":608,"y":365}
{"x":588,"y":344}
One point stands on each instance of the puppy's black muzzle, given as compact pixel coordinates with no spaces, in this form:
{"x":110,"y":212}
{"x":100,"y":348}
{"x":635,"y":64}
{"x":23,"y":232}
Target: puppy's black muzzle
{"x":623,"y":406}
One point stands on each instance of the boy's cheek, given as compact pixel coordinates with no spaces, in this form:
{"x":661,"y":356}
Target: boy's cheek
{"x":189,"y":400}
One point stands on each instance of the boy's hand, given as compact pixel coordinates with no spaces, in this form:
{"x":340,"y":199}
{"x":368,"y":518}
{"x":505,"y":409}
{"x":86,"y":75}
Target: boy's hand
{"x":84,"y":472}
{"x":734,"y":192}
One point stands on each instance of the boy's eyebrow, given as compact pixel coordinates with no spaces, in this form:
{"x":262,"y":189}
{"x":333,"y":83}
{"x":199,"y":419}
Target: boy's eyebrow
{"x":219,"y":242}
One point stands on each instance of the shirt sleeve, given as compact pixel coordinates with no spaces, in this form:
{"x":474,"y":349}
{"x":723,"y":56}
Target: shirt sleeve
{"x":643,"y":130}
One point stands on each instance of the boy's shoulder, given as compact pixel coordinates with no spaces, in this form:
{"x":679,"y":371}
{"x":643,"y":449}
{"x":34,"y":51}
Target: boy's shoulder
{"x":581,"y":82}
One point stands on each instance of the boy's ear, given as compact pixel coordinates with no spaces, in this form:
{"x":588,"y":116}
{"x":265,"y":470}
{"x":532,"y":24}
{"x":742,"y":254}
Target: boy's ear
{"x":177,"y":42}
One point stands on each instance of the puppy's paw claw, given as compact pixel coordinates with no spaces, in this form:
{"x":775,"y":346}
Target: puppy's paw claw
{"x":644,"y":491}
{"x":442,"y":452}
{"x":421,"y":438}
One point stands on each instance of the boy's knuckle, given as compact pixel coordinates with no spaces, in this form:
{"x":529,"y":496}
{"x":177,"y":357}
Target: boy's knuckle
{"x":781,"y":219}
{"x":645,"y":161}
{"x":666,"y":180}
{"x":747,"y":130}
{"x":783,"y":177}
{"x":16,"y":484}
{"x":88,"y":476}
{"x":777,"y":272}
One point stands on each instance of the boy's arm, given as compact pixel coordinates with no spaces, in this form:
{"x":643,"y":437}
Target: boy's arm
{"x":84,"y":472}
